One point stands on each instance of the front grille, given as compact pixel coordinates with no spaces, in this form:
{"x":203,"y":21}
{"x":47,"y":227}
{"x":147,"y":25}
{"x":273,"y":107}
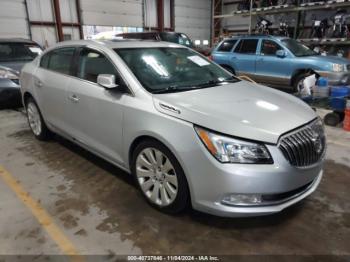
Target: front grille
{"x":286,"y":195}
{"x":305,"y":146}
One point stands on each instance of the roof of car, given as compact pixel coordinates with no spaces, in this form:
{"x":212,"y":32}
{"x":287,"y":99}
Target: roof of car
{"x":120,"y":43}
{"x":16,"y":40}
{"x":259,"y":36}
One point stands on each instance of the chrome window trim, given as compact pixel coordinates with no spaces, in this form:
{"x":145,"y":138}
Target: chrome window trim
{"x":131,"y":92}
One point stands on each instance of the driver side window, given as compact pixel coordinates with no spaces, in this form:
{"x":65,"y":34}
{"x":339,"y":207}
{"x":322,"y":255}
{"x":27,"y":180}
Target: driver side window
{"x":269,"y":48}
{"x":93,"y":63}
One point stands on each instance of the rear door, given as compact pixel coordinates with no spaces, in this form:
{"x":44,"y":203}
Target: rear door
{"x":271,"y":69}
{"x":245,"y":56}
{"x":51,"y":81}
{"x":96,"y":113}
{"x":224,"y":56}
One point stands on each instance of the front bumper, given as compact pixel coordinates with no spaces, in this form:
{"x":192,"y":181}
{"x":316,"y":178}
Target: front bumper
{"x":210,"y":181}
{"x":10,"y":94}
{"x":336,"y":78}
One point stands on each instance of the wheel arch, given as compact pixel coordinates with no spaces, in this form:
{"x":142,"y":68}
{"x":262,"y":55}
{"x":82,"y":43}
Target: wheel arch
{"x":148,"y":136}
{"x":229,"y":68}
{"x":26,"y":96}
{"x":300,"y":71}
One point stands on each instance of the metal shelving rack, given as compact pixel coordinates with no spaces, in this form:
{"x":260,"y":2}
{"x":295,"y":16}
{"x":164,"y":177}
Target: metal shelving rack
{"x":299,"y":9}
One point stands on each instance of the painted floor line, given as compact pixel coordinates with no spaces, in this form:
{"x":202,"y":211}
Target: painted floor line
{"x":44,"y":219}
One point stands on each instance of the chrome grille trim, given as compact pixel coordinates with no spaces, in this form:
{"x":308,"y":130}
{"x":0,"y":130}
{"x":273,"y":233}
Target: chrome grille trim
{"x":304,"y":146}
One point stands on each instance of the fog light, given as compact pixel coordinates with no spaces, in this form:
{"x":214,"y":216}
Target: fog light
{"x":242,"y":199}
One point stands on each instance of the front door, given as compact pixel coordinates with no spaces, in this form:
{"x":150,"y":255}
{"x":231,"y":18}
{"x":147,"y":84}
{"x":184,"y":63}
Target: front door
{"x":271,"y":69}
{"x":96,"y":113}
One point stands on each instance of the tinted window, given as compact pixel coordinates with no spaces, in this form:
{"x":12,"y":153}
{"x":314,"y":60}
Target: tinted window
{"x":93,"y":63}
{"x":227,"y":45}
{"x":18,"y":52}
{"x":269,"y":47}
{"x":247,"y":46}
{"x":60,"y":60}
{"x":177,"y":38}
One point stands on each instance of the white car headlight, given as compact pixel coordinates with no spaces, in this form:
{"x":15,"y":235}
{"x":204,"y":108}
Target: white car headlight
{"x":231,"y":150}
{"x":338,"y":67}
{"x":7,"y":74}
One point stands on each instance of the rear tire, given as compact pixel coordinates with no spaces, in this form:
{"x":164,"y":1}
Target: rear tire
{"x":160,"y":177}
{"x":36,"y":121}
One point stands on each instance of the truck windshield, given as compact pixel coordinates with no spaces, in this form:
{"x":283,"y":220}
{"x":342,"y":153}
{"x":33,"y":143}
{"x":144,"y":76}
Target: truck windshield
{"x":297,"y":48}
{"x":168,"y":70}
{"x":177,"y":38}
{"x":18,"y":52}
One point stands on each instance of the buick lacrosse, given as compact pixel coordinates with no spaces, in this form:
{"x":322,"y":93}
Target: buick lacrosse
{"x":188,"y":131}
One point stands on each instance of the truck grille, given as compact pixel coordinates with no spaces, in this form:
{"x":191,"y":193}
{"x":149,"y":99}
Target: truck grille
{"x":304,"y":146}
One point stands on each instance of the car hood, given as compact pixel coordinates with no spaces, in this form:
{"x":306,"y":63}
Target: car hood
{"x":240,"y":109}
{"x":328,"y":59}
{"x":15,"y":66}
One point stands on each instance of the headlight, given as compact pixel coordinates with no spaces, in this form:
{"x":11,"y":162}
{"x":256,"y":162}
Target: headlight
{"x":230,"y":150}
{"x":7,"y":74}
{"x":338,"y":67}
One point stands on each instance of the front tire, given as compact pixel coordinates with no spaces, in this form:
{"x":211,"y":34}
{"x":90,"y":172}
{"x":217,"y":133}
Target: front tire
{"x":160,"y":177}
{"x":36,"y":121}
{"x":298,"y":84}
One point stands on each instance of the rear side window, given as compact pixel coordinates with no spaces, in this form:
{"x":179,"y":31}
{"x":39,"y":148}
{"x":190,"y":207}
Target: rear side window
{"x":247,"y":46}
{"x":59,"y":60}
{"x":227,"y":46}
{"x":93,"y":63}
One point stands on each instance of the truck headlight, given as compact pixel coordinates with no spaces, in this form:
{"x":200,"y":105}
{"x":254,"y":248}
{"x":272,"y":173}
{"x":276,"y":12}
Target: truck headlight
{"x":338,"y":67}
{"x":7,"y":74}
{"x":231,"y":150}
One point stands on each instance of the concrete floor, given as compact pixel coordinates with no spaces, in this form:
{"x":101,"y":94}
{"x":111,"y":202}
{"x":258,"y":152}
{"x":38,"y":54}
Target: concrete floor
{"x":97,"y":207}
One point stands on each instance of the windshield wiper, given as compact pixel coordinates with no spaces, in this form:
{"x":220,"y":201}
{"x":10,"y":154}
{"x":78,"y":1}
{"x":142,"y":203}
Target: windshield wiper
{"x":216,"y":82}
{"x":170,"y":89}
{"x":210,"y":83}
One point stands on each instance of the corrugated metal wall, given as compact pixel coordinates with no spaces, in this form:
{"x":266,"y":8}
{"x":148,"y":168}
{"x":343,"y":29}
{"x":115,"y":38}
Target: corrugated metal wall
{"x":13,"y":19}
{"x":112,"y":12}
{"x":193,"y":17}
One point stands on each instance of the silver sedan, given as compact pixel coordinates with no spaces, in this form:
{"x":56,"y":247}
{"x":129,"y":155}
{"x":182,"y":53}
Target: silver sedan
{"x":189,"y":132}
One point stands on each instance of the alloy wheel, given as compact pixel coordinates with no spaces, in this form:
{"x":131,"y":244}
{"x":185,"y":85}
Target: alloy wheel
{"x":34,"y":118}
{"x":157,"y":177}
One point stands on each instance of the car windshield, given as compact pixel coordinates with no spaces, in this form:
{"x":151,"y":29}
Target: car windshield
{"x":297,"y":48}
{"x":18,"y":52}
{"x":167,"y":70}
{"x":177,"y":38}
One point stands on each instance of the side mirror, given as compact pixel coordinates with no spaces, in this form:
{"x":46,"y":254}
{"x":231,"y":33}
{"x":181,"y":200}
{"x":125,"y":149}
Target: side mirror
{"x":281,"y":53}
{"x":107,"y":81}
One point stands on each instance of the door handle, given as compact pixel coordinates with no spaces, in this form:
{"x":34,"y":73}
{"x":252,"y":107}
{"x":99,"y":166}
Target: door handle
{"x":39,"y":83}
{"x":74,"y":98}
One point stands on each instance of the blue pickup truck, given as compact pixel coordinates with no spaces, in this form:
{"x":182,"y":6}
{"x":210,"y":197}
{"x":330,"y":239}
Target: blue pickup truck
{"x":278,"y":61}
